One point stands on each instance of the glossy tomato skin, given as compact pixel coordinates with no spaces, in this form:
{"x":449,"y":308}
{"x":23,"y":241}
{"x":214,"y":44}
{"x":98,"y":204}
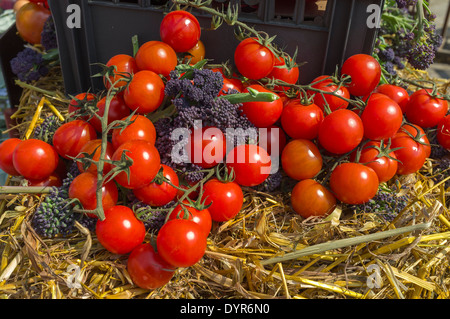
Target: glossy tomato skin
{"x":262,"y":114}
{"x":156,"y":56}
{"x":341,"y":131}
{"x":301,"y":159}
{"x":140,"y":128}
{"x":411,"y":154}
{"x":145,"y":92}
{"x":283,"y":73}
{"x":124,"y":66}
{"x":120,"y":232}
{"x":30,"y":20}
{"x":384,"y":167}
{"x":147,"y":269}
{"x":76,"y":103}
{"x":365,"y":72}
{"x":181,"y":242}
{"x":253,"y":60}
{"x":310,"y":198}
{"x":7,"y":148}
{"x":272,"y":139}
{"x":84,"y":188}
{"x":226,"y":199}
{"x":418,"y":134}
{"x":382,"y":117}
{"x":200,"y":216}
{"x":443,"y":132}
{"x":354,"y":183}
{"x":425,"y":110}
{"x":251,"y":164}
{"x":53,"y":180}
{"x":93,"y":148}
{"x":70,"y":138}
{"x":206,"y":147}
{"x":301,"y":121}
{"x":35,"y":159}
{"x":180,"y":29}
{"x":156,"y":194}
{"x":146,"y":163}
{"x":117,"y":110}
{"x":196,"y":53}
{"x":396,"y":93}
{"x":324,"y":83}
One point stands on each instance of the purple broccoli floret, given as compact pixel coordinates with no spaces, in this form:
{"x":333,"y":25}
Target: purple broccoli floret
{"x":29,"y":65}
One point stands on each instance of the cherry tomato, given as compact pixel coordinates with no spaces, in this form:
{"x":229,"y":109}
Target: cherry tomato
{"x":206,"y":146}
{"x":145,"y":92}
{"x":84,"y":188}
{"x":341,"y":131}
{"x":124,"y":66}
{"x":156,"y":56}
{"x":30,"y":20}
{"x":181,"y":242}
{"x":282,"y":72}
{"x":397,"y":93}
{"x":251,"y":164}
{"x":324,"y":83}
{"x":117,"y":110}
{"x":443,"y":132}
{"x":229,"y":83}
{"x":120,"y":232}
{"x":365,"y":72}
{"x":310,"y":198}
{"x":146,"y":163}
{"x":53,"y":180}
{"x":93,"y":150}
{"x":417,"y":133}
{"x":196,"y":53}
{"x":78,"y":102}
{"x":424,"y":109}
{"x":301,"y":159}
{"x":140,"y":128}
{"x":147,"y":269}
{"x":159,"y":194}
{"x":7,"y":148}
{"x":262,"y":114}
{"x":35,"y":159}
{"x":70,"y":137}
{"x":180,"y":29}
{"x":411,"y":154}
{"x":384,"y":166}
{"x":382,"y":117}
{"x":253,"y":60}
{"x":200,"y":216}
{"x":301,"y":121}
{"x":272,"y":139}
{"x":226,"y":199}
{"x":354,"y":183}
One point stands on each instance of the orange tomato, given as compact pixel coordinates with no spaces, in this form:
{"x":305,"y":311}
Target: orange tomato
{"x":30,"y":20}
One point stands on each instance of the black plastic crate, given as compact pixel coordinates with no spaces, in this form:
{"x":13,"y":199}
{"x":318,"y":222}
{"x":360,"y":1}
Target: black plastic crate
{"x":324,"y":38}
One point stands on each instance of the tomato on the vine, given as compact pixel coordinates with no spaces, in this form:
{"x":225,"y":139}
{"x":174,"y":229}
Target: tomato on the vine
{"x":301,"y":121}
{"x":92,"y":149}
{"x":180,"y":29}
{"x":335,"y":101}
{"x":365,"y":73}
{"x":145,"y":92}
{"x":53,"y":180}
{"x":156,"y":56}
{"x":7,"y":148}
{"x":253,"y":60}
{"x":443,"y":132}
{"x":202,"y":217}
{"x":354,"y":183}
{"x":262,"y":114}
{"x":229,"y":83}
{"x":301,"y":159}
{"x":272,"y":139}
{"x":140,"y":128}
{"x":70,"y":138}
{"x":78,"y":102}
{"x":417,"y":133}
{"x":124,"y":67}
{"x":30,"y":20}
{"x":411,"y":153}
{"x":395,"y":92}
{"x":117,"y":110}
{"x":283,"y":72}
{"x":424,"y":109}
{"x":310,"y":198}
{"x":196,"y":53}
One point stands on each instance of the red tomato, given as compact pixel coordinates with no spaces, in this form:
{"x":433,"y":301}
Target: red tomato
{"x":443,"y":133}
{"x":93,"y":150}
{"x":365,"y":72}
{"x":196,"y":53}
{"x":7,"y":148}
{"x":301,"y":159}
{"x":35,"y":159}
{"x":124,"y":66}
{"x":301,"y":121}
{"x":30,"y":20}
{"x":206,"y":146}
{"x":79,"y":101}
{"x":417,"y":133}
{"x":397,"y":93}
{"x":181,"y":242}
{"x":145,"y":92}
{"x":253,"y":60}
{"x":84,"y":188}
{"x":272,"y":139}
{"x":384,"y":166}
{"x":180,"y":29}
{"x":156,"y":56}
{"x":53,"y":180}
{"x":146,"y":163}
{"x":327,"y":85}
{"x":382,"y":117}
{"x":341,"y":131}
{"x":226,"y":199}
{"x":284,"y":73}
{"x":117,"y":110}
{"x":251,"y":164}
{"x":424,"y":109}
{"x":262,"y":114}
{"x":120,"y":232}
{"x":354,"y":183}
{"x":310,"y":198}
{"x":147,"y":269}
{"x":411,"y":154}
{"x":140,"y":128}
{"x":229,"y":83}
{"x":201,"y":217}
{"x":159,"y":194}
{"x":70,"y":137}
